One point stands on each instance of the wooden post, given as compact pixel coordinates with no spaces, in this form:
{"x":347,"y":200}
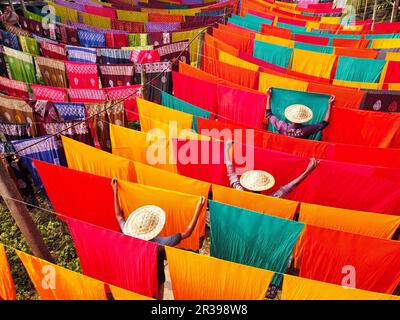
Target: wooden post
{"x":365,"y":9}
{"x":395,"y":9}
{"x":23,"y":5}
{"x":200,"y":49}
{"x":143,"y":83}
{"x":374,"y":14}
{"x":21,"y":215}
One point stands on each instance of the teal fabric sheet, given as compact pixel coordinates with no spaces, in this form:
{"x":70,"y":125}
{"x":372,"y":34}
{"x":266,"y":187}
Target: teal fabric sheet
{"x":272,"y":53}
{"x":313,"y":47}
{"x":359,"y":70}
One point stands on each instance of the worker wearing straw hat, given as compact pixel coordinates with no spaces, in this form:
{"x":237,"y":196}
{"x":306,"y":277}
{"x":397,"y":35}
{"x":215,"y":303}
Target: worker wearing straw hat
{"x":297,"y":115}
{"x":146,"y":223}
{"x":258,"y":180}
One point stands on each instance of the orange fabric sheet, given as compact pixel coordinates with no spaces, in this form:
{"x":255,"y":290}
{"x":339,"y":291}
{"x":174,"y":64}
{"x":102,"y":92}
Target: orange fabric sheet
{"x":179,"y":209}
{"x":135,"y":145}
{"x":276,"y":31}
{"x":199,"y":277}
{"x":123,"y":294}
{"x":237,"y":38}
{"x":345,"y":97}
{"x":7,"y":289}
{"x":257,"y":202}
{"x":356,"y":52}
{"x":89,"y":159}
{"x":53,"y":282}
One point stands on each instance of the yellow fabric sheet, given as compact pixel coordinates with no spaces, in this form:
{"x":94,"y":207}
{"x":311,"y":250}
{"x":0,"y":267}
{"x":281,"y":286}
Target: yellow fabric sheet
{"x":385,"y":43}
{"x":142,"y":147}
{"x":257,"y":202}
{"x":53,"y":282}
{"x":157,"y":117}
{"x":123,"y":294}
{"x":358,"y":85}
{"x":96,"y":21}
{"x":269,"y":80}
{"x":89,"y":159}
{"x":179,"y":208}
{"x":200,"y":277}
{"x":132,"y":16}
{"x":394,"y":86}
{"x":275,"y":40}
{"x":392,"y":56}
{"x":7,"y":290}
{"x":235,"y":61}
{"x":330,"y":20}
{"x":65,"y":13}
{"x":194,"y":41}
{"x":296,"y":288}
{"x":171,"y":181}
{"x":312,"y":25}
{"x":313,"y":63}
{"x":358,"y":222}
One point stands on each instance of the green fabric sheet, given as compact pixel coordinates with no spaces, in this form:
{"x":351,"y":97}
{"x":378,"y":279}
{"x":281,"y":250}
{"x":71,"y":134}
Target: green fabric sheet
{"x":291,"y":27}
{"x":313,"y":47}
{"x":257,"y":19}
{"x":29,"y":45}
{"x":180,"y":105}
{"x":252,"y":238}
{"x":272,"y":53}
{"x":21,"y":65}
{"x":282,"y":98}
{"x":242,"y":22}
{"x":359,"y":70}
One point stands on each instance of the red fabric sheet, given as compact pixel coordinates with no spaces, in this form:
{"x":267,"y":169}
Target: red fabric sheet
{"x":82,"y":75}
{"x":101,"y":11}
{"x":293,"y":22}
{"x":115,"y":258}
{"x":49,"y":93}
{"x":116,"y":40}
{"x":86,"y":95}
{"x":323,"y":41}
{"x":350,"y":43}
{"x":392,"y":72}
{"x":376,"y":262}
{"x":382,"y":157}
{"x":356,"y":52}
{"x":387,"y":27}
{"x":345,"y":97}
{"x":263,"y":64}
{"x":241,"y":106}
{"x":198,"y":92}
{"x":130,"y":105}
{"x":375,"y":129}
{"x":276,"y":31}
{"x":79,"y":187}
{"x":240,"y":42}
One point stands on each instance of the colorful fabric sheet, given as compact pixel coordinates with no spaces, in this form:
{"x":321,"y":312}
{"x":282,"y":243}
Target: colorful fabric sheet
{"x":21,"y":65}
{"x":133,"y":196}
{"x":359,"y":70}
{"x":274,"y":81}
{"x":86,"y":95}
{"x":53,"y":282}
{"x":88,"y":159}
{"x":275,"y":54}
{"x":345,"y":258}
{"x":129,"y":95}
{"x":282,"y":98}
{"x":268,"y":248}
{"x":29,"y":45}
{"x":91,"y":39}
{"x":386,"y":101}
{"x":114,"y":56}
{"x":82,"y":75}
{"x":116,"y":75}
{"x":53,"y":50}
{"x":115,"y":258}
{"x":81,"y":54}
{"x":122,"y":294}
{"x":7,"y":290}
{"x":52,"y":71}
{"x":134,"y":145}
{"x":296,"y":288}
{"x":313,"y":63}
{"x":256,"y":202}
{"x":241,"y":106}
{"x":14,"y":88}
{"x":198,"y":277}
{"x":49,"y":93}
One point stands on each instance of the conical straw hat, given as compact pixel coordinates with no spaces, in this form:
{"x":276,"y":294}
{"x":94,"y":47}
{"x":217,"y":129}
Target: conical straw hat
{"x":257,"y":180}
{"x":145,"y":222}
{"x":298,"y":113}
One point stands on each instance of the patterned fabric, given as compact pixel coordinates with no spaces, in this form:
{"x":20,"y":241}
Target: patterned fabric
{"x":86,"y":95}
{"x":9,"y":40}
{"x":80,"y":54}
{"x":144,"y":56}
{"x":53,"y":72}
{"x":128,"y":26}
{"x":29,"y":45}
{"x":113,"y":112}
{"x":383,"y":101}
{"x":173,"y":51}
{"x":48,"y":93}
{"x":44,"y":148}
{"x":69,"y":111}
{"x":3,"y":64}
{"x":162,"y":26}
{"x":16,"y":131}
{"x":14,"y":88}
{"x":21,"y":65}
{"x":114,"y":56}
{"x":91,"y":39}
{"x":115,"y":40}
{"x":54,"y":51}
{"x":17,"y":31}
{"x":129,"y":95}
{"x":82,"y":75}
{"x":116,"y":75}
{"x":159,"y":38}
{"x":67,"y":34}
{"x":158,"y":83}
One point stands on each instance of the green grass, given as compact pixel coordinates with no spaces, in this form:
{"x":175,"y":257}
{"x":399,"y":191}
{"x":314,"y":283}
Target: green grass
{"x":56,"y":236}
